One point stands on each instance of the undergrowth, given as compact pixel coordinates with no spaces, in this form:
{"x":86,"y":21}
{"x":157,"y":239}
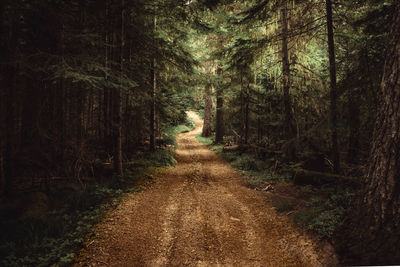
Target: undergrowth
{"x":52,"y":239}
{"x":321,"y":216}
{"x":170,"y":133}
{"x":257,"y":172}
{"x":205,"y":140}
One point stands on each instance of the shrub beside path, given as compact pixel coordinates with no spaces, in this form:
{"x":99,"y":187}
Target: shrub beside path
{"x":198,"y":213}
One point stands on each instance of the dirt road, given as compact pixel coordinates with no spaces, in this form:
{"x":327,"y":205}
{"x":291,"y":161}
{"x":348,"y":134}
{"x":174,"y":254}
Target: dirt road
{"x":198,"y":213}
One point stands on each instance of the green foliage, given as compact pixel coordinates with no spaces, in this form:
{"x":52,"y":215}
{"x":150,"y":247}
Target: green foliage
{"x":326,"y":222}
{"x":319,"y":220}
{"x":247,"y":162}
{"x":67,"y":63}
{"x":54,"y":238}
{"x":255,"y":170}
{"x":245,"y":43}
{"x":217,"y":148}
{"x":205,"y":140}
{"x":169,"y":135}
{"x":190,"y":123}
{"x":164,"y":157}
{"x":323,"y":215}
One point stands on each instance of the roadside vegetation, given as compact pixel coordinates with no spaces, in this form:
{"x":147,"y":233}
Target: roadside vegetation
{"x":313,"y":208}
{"x":44,"y":238}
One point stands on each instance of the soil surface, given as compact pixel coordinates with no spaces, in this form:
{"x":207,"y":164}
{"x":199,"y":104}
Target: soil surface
{"x":198,"y":213}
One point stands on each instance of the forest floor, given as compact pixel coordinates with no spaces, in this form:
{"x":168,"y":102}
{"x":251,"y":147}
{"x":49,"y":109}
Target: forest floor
{"x":199,"y":213}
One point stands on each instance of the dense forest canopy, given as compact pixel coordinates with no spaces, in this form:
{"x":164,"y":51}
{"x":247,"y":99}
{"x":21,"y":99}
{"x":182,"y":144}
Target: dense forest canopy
{"x":86,"y":84}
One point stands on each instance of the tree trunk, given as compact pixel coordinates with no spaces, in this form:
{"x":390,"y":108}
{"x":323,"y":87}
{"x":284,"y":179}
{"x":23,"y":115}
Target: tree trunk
{"x":372,"y":232}
{"x":117,"y":134}
{"x":354,"y":124}
{"x":207,"y":111}
{"x":62,"y":124}
{"x":9,"y":148}
{"x":219,"y":127}
{"x":60,"y":104}
{"x":10,"y":76}
{"x":332,"y":70}
{"x":288,"y":126}
{"x":246,"y":115}
{"x":118,"y":104}
{"x":153,"y":96}
{"x":259,"y":112}
{"x":80,"y":103}
{"x":153,"y":108}
{"x":3,"y":130}
{"x":106,"y":92}
{"x":138,"y":124}
{"x":242,"y":111}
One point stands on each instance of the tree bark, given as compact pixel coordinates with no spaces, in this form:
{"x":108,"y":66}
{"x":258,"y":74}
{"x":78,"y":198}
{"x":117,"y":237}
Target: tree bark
{"x":371,"y":234}
{"x":219,"y":127}
{"x":9,"y":148}
{"x":10,"y":83}
{"x":246,"y":115}
{"x":107,"y":91}
{"x":332,"y":70}
{"x":118,"y":103}
{"x":3,"y":56}
{"x":207,"y":111}
{"x":259,"y":112}
{"x":242,"y":110}
{"x":354,"y":124}
{"x":117,"y":134}
{"x":288,"y":124}
{"x":153,"y":96}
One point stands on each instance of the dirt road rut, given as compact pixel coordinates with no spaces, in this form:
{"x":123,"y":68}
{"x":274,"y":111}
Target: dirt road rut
{"x":198,"y":213}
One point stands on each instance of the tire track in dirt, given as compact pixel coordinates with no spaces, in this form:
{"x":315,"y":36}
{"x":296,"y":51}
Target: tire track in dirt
{"x":168,"y":228}
{"x":198,"y":213}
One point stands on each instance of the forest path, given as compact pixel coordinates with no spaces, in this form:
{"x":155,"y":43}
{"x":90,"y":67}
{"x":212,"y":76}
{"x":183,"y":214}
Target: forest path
{"x":198,"y":213}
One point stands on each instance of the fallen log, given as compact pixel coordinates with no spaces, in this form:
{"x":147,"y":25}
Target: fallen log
{"x":306,"y":177}
{"x":231,"y":148}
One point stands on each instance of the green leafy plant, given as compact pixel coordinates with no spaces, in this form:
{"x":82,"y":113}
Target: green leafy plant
{"x":246,"y":162}
{"x":205,"y":140}
{"x":165,"y":157}
{"x":324,"y":214}
{"x":170,"y":133}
